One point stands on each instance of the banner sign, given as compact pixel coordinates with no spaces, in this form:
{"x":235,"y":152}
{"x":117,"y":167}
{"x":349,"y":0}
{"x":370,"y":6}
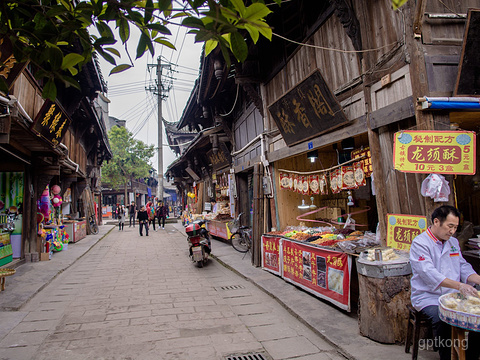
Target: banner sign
{"x":402,"y":229}
{"x":322,"y":272}
{"x":367,"y":160}
{"x":51,"y":122}
{"x":435,"y":152}
{"x":271,"y":256}
{"x":221,"y":158}
{"x":308,"y":110}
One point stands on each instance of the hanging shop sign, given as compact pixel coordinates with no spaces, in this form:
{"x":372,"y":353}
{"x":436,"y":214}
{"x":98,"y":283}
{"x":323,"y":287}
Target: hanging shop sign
{"x":322,"y":272}
{"x":9,"y":67}
{"x":435,"y":152}
{"x":402,"y":229}
{"x":308,"y":110}
{"x":51,"y":123}
{"x":221,"y":159}
{"x":366,"y":156}
{"x":271,"y":255}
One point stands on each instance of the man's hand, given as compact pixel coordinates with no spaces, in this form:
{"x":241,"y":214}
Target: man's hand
{"x":467,"y":290}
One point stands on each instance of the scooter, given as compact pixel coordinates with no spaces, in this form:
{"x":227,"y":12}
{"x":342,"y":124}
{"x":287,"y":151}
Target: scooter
{"x":198,"y":242}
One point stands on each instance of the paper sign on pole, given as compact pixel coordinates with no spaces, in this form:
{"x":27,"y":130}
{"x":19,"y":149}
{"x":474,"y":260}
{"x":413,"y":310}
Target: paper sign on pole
{"x":402,"y":229}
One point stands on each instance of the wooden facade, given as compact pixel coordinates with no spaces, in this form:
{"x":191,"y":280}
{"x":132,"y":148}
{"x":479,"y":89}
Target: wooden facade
{"x":377,"y":62}
{"x":73,"y":163}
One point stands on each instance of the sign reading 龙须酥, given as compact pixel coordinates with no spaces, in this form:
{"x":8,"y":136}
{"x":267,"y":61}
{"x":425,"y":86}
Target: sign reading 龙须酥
{"x":308,"y":110}
{"x":402,"y":229}
{"x":435,"y":152}
{"x":51,"y":123}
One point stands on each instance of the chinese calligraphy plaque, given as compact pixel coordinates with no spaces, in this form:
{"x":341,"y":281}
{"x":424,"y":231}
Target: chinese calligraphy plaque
{"x":307,"y":110}
{"x":51,"y":123}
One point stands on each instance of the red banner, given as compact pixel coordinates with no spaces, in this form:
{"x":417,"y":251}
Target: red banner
{"x":271,"y":254}
{"x":322,"y":272}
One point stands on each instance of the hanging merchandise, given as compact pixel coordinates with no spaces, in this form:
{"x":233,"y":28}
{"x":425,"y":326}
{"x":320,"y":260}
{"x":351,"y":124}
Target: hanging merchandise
{"x":359,"y":173}
{"x":314,"y":184}
{"x":284,"y":181}
{"x":306,"y":185}
{"x":348,"y":178}
{"x":323,"y":184}
{"x":333,"y":182}
{"x":436,"y":187}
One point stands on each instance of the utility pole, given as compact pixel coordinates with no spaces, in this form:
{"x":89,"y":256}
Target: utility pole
{"x":161,"y":90}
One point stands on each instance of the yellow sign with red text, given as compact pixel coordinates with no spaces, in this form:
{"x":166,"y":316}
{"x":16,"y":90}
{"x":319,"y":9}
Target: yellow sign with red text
{"x":402,"y":229}
{"x":435,"y":152}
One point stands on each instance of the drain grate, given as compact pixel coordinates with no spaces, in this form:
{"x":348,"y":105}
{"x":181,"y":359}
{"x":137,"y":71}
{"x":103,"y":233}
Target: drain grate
{"x":249,"y":356}
{"x":232,"y":287}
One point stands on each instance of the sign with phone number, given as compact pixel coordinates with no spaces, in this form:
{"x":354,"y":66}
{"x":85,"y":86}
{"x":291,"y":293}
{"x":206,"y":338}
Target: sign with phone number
{"x":324,"y":273}
{"x":435,"y":152}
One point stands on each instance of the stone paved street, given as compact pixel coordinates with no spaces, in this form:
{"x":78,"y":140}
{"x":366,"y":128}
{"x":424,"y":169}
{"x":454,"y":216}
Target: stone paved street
{"x":133,"y":297}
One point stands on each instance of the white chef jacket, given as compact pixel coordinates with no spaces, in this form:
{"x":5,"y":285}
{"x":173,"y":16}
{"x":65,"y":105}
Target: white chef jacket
{"x":432,"y":262}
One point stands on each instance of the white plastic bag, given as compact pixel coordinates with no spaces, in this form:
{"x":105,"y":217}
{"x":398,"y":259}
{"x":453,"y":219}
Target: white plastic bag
{"x":436,"y":187}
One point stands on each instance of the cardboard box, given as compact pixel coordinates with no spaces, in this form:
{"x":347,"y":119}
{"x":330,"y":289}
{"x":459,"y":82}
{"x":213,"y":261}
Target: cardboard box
{"x":44,"y":256}
{"x":334,"y":213}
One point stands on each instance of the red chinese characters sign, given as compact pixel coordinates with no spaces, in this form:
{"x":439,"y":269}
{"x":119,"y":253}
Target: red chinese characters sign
{"x":402,"y":229}
{"x":435,"y":152}
{"x":271,"y":254}
{"x":321,"y":272}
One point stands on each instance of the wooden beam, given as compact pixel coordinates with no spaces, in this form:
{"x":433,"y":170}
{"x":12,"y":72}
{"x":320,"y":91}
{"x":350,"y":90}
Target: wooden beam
{"x":389,"y":114}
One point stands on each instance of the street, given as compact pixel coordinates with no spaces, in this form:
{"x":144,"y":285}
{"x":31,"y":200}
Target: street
{"x":133,"y":297}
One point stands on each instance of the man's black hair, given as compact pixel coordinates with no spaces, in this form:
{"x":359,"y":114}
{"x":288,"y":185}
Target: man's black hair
{"x":442,"y":212}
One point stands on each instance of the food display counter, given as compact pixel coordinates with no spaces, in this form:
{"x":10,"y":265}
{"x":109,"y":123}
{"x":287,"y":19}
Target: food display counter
{"x":6,"y":251}
{"x":322,"y":272}
{"x":76,"y":230}
{"x":219,"y":228}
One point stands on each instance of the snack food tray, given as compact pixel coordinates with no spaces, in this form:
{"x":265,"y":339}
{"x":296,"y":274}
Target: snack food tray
{"x":458,"y":318}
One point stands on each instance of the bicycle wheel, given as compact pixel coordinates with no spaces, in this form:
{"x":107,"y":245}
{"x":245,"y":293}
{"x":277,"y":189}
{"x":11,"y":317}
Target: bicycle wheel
{"x":240,"y":242}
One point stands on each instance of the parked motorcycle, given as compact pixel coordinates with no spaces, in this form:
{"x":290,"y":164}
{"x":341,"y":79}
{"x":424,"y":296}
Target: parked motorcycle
{"x":198,"y":242}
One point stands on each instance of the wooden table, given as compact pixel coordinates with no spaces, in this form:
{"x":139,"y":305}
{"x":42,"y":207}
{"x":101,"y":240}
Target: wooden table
{"x":458,"y":338}
{"x":3,"y":274}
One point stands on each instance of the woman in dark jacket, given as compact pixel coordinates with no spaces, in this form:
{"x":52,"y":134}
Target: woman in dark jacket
{"x":142,"y":217}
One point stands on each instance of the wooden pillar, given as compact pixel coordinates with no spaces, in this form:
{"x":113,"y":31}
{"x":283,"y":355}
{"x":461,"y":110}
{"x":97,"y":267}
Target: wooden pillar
{"x":258,"y":212}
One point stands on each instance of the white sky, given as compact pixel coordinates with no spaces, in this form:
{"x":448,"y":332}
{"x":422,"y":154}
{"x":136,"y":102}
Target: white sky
{"x":131,"y":102}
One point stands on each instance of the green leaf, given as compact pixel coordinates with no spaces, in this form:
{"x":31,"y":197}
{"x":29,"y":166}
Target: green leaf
{"x":104,"y":41}
{"x":203,"y":36}
{"x":180,"y":14}
{"x":165,"y":42}
{"x":120,"y":68}
{"x":193,"y":22}
{"x":160,"y":28}
{"x":55,"y":56}
{"x":253,"y":31}
{"x":62,"y":43}
{"x":263,"y":28}
{"x":69,"y":81}
{"x":142,"y":45}
{"x":239,"y":6}
{"x":164,"y":4}
{"x":256,"y":11}
{"x":239,"y":46}
{"x":72,"y":70}
{"x":106,"y":56}
{"x":210,"y":45}
{"x":124,"y":30}
{"x":148,"y":11}
{"x":71,"y":60}
{"x":113,"y":51}
{"x":49,"y":90}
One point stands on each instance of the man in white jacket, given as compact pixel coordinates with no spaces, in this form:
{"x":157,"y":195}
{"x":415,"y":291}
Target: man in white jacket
{"x":439,"y":268}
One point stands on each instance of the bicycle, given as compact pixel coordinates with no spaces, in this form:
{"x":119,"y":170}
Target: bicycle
{"x":92,"y":222}
{"x":241,"y":239}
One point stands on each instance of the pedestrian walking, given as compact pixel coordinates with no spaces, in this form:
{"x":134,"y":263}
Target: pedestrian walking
{"x":121,"y":217}
{"x":132,"y":211}
{"x":114,"y":211}
{"x":162,"y":214}
{"x":142,"y":217}
{"x":151,"y":214}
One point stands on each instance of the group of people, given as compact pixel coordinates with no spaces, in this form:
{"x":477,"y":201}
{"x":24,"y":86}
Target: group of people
{"x":147,"y":215}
